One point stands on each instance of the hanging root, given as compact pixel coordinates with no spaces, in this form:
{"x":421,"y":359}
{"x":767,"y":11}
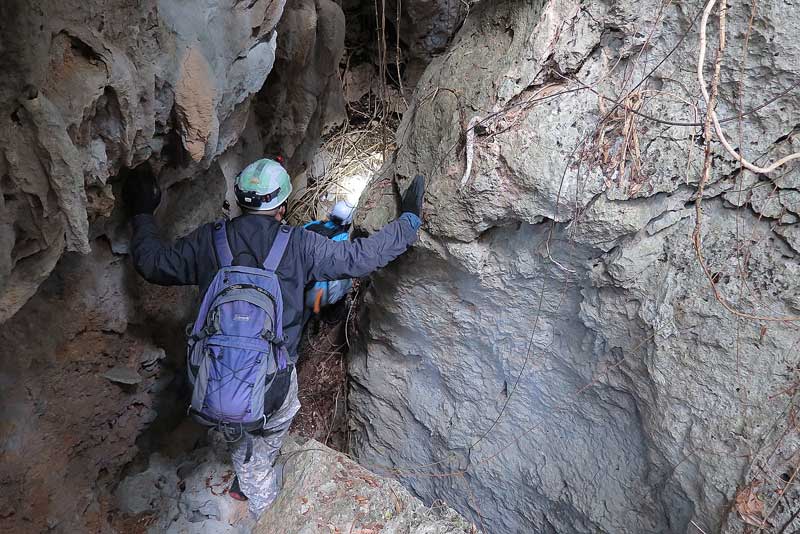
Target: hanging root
{"x":473,"y":122}
{"x":711,"y":99}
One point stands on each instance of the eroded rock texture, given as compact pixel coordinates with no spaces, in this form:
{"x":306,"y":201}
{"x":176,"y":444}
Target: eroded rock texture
{"x":426,"y":26}
{"x":551,"y":357}
{"x":79,"y":384}
{"x":91,"y":358}
{"x":185,"y":494}
{"x":324,"y":490}
{"x":303,"y":96}
{"x":91,"y":88}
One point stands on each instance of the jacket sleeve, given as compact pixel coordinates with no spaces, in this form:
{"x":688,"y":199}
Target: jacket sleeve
{"x":334,"y":260}
{"x":160,"y":263}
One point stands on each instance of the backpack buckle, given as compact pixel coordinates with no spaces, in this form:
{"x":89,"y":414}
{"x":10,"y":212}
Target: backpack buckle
{"x":271,"y":337}
{"x":207,"y":331}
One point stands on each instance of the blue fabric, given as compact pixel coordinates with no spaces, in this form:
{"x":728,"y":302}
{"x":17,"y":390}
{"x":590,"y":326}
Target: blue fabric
{"x":229,"y":396}
{"x":278,"y":249}
{"x":237,"y":341}
{"x":326,"y":224}
{"x":224,"y":254}
{"x":334,"y":290}
{"x":415,"y":221}
{"x":309,"y":257}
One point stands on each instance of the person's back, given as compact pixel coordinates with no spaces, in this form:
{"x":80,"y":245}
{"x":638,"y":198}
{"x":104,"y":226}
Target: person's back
{"x":262,"y":190}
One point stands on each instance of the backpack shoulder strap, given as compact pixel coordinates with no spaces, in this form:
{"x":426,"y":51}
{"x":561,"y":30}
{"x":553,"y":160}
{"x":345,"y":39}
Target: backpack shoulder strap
{"x":221,"y":245}
{"x":278,"y":248}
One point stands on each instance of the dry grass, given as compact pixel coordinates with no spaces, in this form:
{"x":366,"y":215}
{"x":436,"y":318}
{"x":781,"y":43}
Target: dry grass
{"x":352,"y":151}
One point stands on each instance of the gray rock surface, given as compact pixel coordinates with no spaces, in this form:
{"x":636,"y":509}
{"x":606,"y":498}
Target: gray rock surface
{"x":123,"y":375}
{"x":89,"y":89}
{"x":427,"y":26}
{"x":324,"y":491}
{"x":551,"y":357}
{"x":551,"y":352}
{"x":186,"y":494}
{"x":303,"y":96}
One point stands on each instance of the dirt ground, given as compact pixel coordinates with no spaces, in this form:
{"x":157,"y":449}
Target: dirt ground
{"x":322,"y":375}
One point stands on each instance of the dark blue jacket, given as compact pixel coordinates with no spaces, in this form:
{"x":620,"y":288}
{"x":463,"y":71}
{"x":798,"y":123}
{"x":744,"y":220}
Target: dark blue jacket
{"x":309,"y":257}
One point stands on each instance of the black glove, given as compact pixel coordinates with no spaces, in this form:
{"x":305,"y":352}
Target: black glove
{"x":412,"y":198}
{"x":141,"y":192}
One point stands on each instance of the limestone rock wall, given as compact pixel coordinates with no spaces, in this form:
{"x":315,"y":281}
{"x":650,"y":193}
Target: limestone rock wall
{"x":91,"y":364}
{"x":551,"y":356}
{"x":67,"y":428}
{"x":91,"y":88}
{"x":427,"y":26}
{"x":303,"y":96}
{"x":324,"y":490}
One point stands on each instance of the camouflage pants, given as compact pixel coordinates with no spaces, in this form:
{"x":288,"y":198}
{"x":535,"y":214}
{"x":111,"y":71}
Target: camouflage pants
{"x":257,"y":478}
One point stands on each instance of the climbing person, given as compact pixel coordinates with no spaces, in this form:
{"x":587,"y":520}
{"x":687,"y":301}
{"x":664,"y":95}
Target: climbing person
{"x":252,"y":272}
{"x":337,"y":227}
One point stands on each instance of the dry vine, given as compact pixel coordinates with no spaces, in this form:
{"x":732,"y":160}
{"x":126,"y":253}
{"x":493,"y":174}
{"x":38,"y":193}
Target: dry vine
{"x":711,"y":100}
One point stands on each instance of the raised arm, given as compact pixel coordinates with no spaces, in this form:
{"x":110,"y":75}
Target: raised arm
{"x":333,"y":260}
{"x":158,"y":262}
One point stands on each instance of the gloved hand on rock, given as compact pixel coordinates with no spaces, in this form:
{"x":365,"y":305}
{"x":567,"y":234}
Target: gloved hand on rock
{"x":141,"y":192}
{"x":413,"y":197}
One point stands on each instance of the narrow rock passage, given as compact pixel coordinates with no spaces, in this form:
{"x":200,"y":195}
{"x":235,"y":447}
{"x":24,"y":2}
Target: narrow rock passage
{"x":597,"y":331}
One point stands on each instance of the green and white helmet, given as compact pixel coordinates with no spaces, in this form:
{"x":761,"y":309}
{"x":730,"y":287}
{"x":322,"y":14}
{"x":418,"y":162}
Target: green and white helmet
{"x":262,"y":186}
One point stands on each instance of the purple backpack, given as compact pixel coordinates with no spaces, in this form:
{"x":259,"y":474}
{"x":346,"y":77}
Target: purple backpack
{"x":237,"y":346}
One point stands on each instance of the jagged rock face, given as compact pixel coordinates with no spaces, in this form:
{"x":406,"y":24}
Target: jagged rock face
{"x":186,"y":494}
{"x":69,"y":420}
{"x":324,"y":490}
{"x":426,"y":26}
{"x":89,"y":359}
{"x":551,"y":356}
{"x":89,"y":89}
{"x":303,"y":96}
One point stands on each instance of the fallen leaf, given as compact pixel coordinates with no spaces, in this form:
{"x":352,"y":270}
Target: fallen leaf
{"x":370,"y":480}
{"x":749,"y":506}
